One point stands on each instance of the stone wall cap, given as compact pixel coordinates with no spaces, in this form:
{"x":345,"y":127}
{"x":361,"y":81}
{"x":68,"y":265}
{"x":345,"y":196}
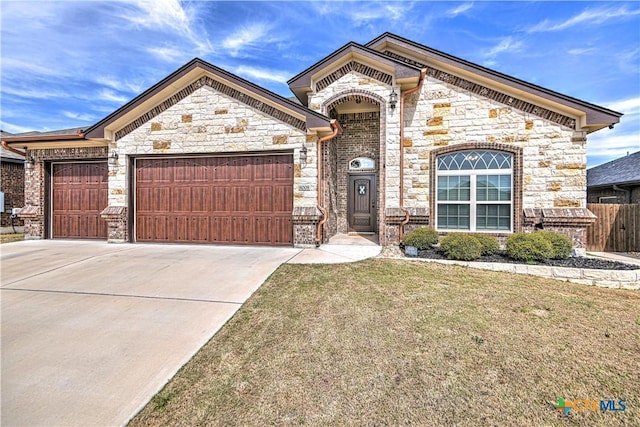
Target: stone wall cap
{"x":113,"y":211}
{"x":28,"y":212}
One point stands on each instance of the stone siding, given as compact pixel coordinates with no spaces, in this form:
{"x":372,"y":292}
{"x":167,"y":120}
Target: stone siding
{"x":207,"y":121}
{"x":12,"y":184}
{"x":551,"y":167}
{"x":554,"y":157}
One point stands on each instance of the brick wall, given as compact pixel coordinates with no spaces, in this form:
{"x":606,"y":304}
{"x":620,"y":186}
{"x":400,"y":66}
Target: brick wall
{"x":36,"y":183}
{"x":361,"y":138}
{"x":12,"y":184}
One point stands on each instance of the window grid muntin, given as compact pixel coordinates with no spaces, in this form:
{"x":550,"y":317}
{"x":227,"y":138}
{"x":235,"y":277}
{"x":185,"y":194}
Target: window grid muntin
{"x":474,"y":203}
{"x":475,"y":160}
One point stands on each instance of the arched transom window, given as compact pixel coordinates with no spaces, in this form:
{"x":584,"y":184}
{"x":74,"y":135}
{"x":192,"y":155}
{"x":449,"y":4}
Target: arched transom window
{"x":474,"y":191}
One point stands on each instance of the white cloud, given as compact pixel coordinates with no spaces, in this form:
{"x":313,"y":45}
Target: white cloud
{"x":606,"y":144}
{"x":167,"y":53}
{"x":11,"y":128}
{"x":459,"y":10}
{"x":390,"y":11}
{"x":170,"y":15}
{"x":245,"y":37}
{"x":262,"y":74}
{"x":628,"y":106}
{"x":581,"y":51}
{"x":35,"y":93}
{"x":507,"y":44}
{"x":111,"y":96}
{"x":82,"y":117}
{"x":584,"y":18}
{"x":120,"y":85}
{"x":19,"y":65}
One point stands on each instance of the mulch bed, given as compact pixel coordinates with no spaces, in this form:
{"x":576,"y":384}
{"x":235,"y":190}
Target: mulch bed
{"x":573,"y":262}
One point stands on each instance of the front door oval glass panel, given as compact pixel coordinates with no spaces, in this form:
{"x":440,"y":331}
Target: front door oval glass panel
{"x":362,"y":163}
{"x":474,"y":191}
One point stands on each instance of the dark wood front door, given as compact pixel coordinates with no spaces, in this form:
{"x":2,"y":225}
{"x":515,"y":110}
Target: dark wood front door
{"x":80,"y":194}
{"x":362,"y":203}
{"x":235,"y":200}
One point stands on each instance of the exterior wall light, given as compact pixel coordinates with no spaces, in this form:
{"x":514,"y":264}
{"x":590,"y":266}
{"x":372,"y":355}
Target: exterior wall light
{"x":113,"y":157}
{"x":393,"y":99}
{"x":28,"y":162}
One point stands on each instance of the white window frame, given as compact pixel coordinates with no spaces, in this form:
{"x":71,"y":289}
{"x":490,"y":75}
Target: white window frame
{"x":603,"y":199}
{"x":473,"y":202}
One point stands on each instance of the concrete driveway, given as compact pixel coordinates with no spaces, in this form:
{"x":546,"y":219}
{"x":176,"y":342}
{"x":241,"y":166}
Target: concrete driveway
{"x":91,"y":331}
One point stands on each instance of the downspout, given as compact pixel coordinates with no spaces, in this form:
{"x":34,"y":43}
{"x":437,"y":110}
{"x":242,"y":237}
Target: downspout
{"x":624,"y":190}
{"x":423,"y":73}
{"x":13,"y":150}
{"x":337,"y":129}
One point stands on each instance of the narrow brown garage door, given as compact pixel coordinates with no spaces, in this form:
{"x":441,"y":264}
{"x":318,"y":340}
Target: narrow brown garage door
{"x":233,"y":200}
{"x":80,"y":194}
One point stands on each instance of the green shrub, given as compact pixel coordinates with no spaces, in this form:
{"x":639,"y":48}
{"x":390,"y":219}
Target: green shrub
{"x":461,"y":246}
{"x":421,"y":238}
{"x":529,"y":247}
{"x":560,"y":243}
{"x":489,"y":243}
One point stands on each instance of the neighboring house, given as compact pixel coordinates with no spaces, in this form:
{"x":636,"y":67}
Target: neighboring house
{"x":385,"y":137}
{"x":617,"y":181}
{"x":11,"y":184}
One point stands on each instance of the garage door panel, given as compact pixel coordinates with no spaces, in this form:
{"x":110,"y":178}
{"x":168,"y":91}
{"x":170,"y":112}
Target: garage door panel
{"x":79,"y":195}
{"x":220,"y":229}
{"x":161,"y":200}
{"x":240,"y":200}
{"x":220,"y":197}
{"x":241,"y":230}
{"x":181,"y":199}
{"x":280,"y":225}
{"x":216,"y":199}
{"x":200,"y":199}
{"x":264,"y":198}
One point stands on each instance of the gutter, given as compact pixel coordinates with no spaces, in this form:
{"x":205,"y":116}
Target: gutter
{"x":337,"y":129}
{"x":13,"y":150}
{"x":404,"y":94}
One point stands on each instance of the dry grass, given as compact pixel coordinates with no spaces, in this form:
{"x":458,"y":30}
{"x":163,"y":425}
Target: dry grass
{"x":11,"y":237}
{"x":386,"y":342}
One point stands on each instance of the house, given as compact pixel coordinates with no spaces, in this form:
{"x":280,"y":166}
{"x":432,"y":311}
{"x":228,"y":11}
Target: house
{"x":11,"y":185}
{"x":617,"y":181}
{"x":386,"y":137}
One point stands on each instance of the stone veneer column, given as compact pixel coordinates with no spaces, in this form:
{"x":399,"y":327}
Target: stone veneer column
{"x":33,"y":212}
{"x":116,"y":218}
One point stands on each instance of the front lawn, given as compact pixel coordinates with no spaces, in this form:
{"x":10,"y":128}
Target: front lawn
{"x":11,"y":237}
{"x":388,"y":342}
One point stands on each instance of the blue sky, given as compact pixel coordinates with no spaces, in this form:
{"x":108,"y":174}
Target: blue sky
{"x":69,"y":64}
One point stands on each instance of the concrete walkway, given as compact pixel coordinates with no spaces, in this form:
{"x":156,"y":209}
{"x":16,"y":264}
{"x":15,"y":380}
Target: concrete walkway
{"x":341,"y":248}
{"x":92,"y":331}
{"x":615,"y":256}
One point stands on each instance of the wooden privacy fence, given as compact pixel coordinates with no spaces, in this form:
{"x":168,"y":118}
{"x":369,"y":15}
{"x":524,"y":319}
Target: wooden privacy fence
{"x":617,"y":228}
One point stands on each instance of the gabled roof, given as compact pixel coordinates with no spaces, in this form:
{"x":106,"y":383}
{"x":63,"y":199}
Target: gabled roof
{"x":302,"y":83}
{"x":622,"y":171}
{"x":188,"y":74}
{"x":596,"y":117}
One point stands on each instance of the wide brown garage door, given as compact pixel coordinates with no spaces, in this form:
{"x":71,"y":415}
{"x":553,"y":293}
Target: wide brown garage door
{"x":80,"y":194}
{"x":233,"y":200}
